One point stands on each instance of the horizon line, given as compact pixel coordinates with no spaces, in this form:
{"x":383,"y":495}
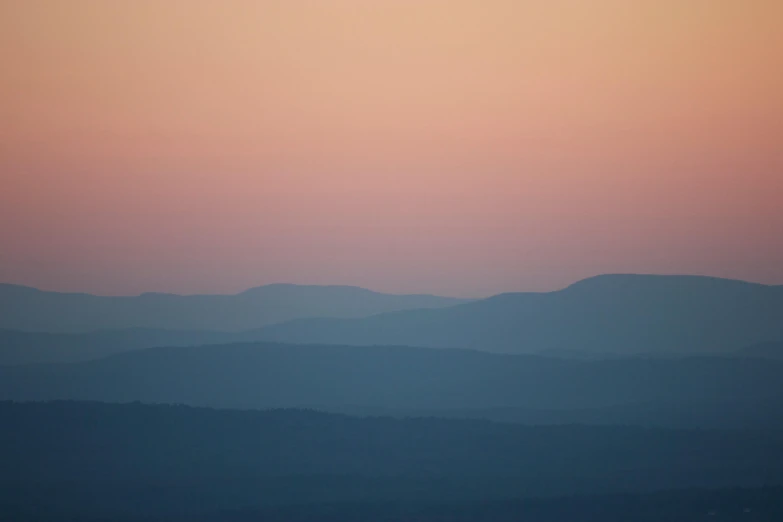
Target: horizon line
{"x":400,"y":294}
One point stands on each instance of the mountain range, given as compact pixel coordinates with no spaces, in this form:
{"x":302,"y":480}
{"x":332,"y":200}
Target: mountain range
{"x":612,"y":314}
{"x":289,"y":403}
{"x":602,"y":317}
{"x":29,"y":309}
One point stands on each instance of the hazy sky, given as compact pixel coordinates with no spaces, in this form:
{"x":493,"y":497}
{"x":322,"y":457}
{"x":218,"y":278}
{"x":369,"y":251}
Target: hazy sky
{"x":447,"y":146}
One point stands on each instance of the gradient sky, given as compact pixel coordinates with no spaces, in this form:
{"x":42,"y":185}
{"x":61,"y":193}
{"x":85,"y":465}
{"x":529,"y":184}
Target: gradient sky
{"x":446,"y":146}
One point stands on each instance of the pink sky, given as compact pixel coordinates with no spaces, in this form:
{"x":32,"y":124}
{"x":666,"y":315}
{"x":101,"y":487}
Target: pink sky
{"x":445,"y":146}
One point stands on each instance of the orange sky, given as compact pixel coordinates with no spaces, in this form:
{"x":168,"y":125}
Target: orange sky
{"x":447,"y":146}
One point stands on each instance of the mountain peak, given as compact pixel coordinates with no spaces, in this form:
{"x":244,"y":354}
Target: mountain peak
{"x":618,"y":280}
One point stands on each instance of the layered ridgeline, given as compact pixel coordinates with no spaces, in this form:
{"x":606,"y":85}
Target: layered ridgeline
{"x":19,"y":347}
{"x":24,"y":308}
{"x":407,"y":381}
{"x":605,"y":315}
{"x":117,"y":462}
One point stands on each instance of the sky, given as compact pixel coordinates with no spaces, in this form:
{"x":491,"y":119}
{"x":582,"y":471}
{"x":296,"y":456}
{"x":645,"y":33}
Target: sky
{"x":454,"y":147}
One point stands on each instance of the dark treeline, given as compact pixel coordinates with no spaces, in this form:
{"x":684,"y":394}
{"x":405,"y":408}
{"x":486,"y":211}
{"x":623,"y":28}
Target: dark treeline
{"x":62,"y":454}
{"x":723,"y":505}
{"x":735,"y":505}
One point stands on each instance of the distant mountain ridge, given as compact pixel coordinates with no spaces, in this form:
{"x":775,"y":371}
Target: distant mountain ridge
{"x":398,"y":380}
{"x":29,"y":309}
{"x":601,"y":317}
{"x":622,"y":314}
